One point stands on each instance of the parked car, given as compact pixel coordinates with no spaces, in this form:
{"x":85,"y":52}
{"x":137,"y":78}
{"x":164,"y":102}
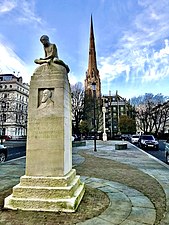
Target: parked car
{"x":3,"y":153}
{"x":134,"y":139}
{"x":148,"y":142}
{"x":126,"y":137}
{"x":167,"y":151}
{"x":76,"y":137}
{"x":5,"y":137}
{"x":117,"y":137}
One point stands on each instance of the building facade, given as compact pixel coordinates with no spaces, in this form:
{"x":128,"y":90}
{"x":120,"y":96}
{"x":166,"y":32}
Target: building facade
{"x":115,"y":106}
{"x":13,"y":105}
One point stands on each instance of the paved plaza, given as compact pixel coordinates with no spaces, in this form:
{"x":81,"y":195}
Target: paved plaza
{"x":127,"y":205}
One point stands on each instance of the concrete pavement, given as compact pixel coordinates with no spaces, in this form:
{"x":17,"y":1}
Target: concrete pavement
{"x":127,"y":206}
{"x":140,"y":210}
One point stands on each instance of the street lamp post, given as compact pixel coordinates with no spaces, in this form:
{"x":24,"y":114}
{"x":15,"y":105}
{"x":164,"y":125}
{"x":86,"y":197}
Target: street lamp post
{"x":94,"y":112}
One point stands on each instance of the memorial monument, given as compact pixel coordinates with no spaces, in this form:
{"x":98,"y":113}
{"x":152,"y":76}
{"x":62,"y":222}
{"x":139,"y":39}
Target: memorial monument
{"x":49,"y":183}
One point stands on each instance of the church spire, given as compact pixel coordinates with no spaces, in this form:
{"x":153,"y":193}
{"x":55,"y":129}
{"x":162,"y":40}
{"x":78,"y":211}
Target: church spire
{"x":92,"y":73}
{"x":92,"y":64}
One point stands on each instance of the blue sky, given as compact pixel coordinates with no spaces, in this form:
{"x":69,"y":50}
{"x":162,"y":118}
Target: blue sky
{"x":131,"y":37}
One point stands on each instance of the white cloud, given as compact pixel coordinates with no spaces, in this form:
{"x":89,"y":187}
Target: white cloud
{"x":23,"y":11}
{"x":72,"y":78}
{"x":10,"y":62}
{"x":27,"y":12}
{"x":136,"y":56}
{"x":7,"y":5}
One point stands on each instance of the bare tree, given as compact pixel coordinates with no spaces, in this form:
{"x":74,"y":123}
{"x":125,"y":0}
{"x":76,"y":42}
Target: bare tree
{"x":152,"y":114}
{"x":77,"y":93}
{"x":160,"y":114}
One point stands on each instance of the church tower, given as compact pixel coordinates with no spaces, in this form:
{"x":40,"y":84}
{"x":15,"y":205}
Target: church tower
{"x":92,"y":73}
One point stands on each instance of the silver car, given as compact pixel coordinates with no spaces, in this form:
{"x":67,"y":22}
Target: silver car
{"x":135,"y":138}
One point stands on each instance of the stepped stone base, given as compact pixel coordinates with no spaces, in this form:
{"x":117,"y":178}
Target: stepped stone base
{"x":47,"y":193}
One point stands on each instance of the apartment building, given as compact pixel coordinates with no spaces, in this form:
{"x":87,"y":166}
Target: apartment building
{"x":13,"y":105}
{"x":116,"y":106}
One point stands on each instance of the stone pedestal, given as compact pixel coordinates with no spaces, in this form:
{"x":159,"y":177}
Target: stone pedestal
{"x":49,"y":184}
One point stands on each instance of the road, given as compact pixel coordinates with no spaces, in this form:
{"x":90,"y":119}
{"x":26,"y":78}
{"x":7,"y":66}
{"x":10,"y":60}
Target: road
{"x":15,"y":149}
{"x":159,"y":154}
{"x":18,"y":148}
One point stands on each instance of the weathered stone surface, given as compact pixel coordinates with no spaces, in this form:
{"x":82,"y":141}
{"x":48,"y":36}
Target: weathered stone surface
{"x":49,"y":145}
{"x":50,"y":183}
{"x":47,"y":197}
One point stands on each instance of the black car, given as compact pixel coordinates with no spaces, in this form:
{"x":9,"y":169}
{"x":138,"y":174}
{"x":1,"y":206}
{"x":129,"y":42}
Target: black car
{"x":3,"y":153}
{"x":148,"y":142}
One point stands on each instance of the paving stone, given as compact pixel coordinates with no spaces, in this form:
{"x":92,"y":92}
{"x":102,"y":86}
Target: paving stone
{"x":131,"y":192}
{"x":96,"y":221}
{"x":117,"y":185}
{"x":141,"y":201}
{"x":129,"y":222}
{"x":115,"y":217}
{"x":115,"y":207}
{"x":118,"y":197}
{"x":95,"y":184}
{"x":108,"y":189}
{"x":144,"y":215}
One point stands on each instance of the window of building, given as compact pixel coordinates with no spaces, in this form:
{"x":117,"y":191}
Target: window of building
{"x":7,"y":78}
{"x":7,"y":105}
{"x":121,"y":108}
{"x":4,"y":117}
{"x":10,"y":86}
{"x":5,"y":95}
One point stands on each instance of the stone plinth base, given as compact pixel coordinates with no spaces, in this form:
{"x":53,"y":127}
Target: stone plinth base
{"x":47,"y":193}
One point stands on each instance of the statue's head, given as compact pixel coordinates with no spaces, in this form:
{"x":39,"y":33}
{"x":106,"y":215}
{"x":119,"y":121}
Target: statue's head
{"x":47,"y":94}
{"x":44,"y":39}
